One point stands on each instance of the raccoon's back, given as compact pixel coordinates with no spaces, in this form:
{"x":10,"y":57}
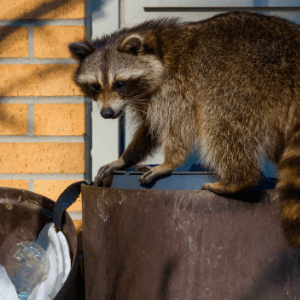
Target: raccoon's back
{"x":244,"y":43}
{"x":247,"y":62}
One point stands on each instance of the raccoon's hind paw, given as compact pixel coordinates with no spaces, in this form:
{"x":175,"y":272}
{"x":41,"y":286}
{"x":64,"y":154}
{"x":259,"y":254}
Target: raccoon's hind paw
{"x":154,"y":173}
{"x":213,"y":187}
{"x":226,"y":188}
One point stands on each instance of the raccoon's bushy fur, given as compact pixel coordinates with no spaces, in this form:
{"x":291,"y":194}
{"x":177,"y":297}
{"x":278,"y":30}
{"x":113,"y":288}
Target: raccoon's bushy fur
{"x":229,"y":85}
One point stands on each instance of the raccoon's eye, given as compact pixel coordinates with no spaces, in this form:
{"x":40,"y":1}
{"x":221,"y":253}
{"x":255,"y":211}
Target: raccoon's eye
{"x":96,"y":87}
{"x":120,"y":84}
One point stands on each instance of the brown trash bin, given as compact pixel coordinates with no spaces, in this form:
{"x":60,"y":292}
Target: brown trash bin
{"x":185,"y":245}
{"x":23,"y":216}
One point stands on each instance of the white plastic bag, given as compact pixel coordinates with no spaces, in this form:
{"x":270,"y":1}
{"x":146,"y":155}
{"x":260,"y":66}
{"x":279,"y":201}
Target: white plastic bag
{"x":57,"y":250}
{"x":7,"y":289}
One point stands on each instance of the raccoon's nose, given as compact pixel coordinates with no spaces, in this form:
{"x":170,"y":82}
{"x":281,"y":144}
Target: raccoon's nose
{"x":107,"y":113}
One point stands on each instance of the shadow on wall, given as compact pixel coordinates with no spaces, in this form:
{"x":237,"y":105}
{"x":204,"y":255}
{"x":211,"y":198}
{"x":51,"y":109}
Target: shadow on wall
{"x":21,"y":81}
{"x":40,"y":11}
{"x":97,"y":7}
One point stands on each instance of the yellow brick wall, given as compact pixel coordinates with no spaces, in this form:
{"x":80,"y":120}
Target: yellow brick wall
{"x":62,"y":119}
{"x":41,"y":9}
{"x":13,"y":43}
{"x":52,"y":41}
{"x":37,"y":80}
{"x":14,"y":119}
{"x":42,"y":112}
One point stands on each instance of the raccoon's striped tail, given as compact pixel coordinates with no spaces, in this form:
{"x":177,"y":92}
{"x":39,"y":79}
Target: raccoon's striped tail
{"x":289,"y":187}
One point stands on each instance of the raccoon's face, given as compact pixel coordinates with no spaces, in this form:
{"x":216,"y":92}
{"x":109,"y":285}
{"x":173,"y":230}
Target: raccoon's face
{"x":118,"y":74}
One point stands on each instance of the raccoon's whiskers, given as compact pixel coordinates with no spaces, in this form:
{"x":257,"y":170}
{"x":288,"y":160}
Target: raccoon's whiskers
{"x":135,"y":102}
{"x":136,"y":99}
{"x":138,"y":109}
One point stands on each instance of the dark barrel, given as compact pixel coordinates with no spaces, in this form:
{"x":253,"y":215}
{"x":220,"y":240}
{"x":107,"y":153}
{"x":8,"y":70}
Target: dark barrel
{"x":186,"y":245}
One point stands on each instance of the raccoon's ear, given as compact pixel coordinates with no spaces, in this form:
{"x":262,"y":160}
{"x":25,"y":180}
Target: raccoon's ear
{"x":133,"y":44}
{"x":81,"y":49}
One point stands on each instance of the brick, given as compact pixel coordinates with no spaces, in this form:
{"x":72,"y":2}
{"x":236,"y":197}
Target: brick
{"x":42,"y":9}
{"x":16,"y":184}
{"x":53,"y":188}
{"x":59,"y":119}
{"x":52,"y":41}
{"x":13,"y":119}
{"x":37,"y":80}
{"x":29,"y":158}
{"x":13,"y":41}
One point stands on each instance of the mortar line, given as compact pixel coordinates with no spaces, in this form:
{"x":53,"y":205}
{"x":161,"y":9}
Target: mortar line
{"x":37,"y":61}
{"x":41,"y":139}
{"x":31,"y":185}
{"x":75,"y":215}
{"x":30,"y":120}
{"x":38,"y":176}
{"x":30,"y":42}
{"x":34,"y":23}
{"x":38,"y":99}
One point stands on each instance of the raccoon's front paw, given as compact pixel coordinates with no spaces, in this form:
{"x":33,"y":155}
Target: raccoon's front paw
{"x":154,"y":173}
{"x":107,"y":170}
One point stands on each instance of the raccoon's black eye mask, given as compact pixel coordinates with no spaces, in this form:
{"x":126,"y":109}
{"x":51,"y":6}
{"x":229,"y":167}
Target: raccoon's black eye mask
{"x":96,"y":87}
{"x":120,"y":85}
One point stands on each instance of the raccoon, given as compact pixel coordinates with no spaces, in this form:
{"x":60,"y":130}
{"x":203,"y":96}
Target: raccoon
{"x":229,"y":85}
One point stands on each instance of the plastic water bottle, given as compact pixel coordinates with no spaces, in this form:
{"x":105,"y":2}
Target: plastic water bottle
{"x":27,"y":267}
